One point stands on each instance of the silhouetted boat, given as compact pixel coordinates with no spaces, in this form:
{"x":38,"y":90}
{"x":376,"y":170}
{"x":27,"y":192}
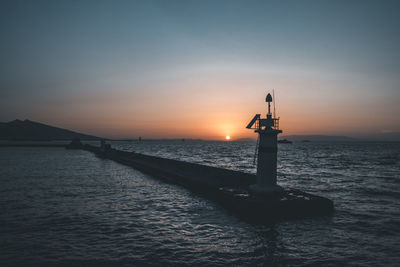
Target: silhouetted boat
{"x":75,"y":144}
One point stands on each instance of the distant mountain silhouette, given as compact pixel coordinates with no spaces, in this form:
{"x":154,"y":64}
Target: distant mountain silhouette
{"x":319,"y":138}
{"x":311,"y":138}
{"x":35,"y":131}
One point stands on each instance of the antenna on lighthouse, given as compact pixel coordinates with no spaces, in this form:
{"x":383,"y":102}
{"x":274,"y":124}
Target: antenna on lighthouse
{"x":273,"y":99}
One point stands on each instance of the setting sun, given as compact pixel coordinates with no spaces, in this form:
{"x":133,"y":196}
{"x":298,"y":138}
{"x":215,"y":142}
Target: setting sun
{"x":228,"y":137}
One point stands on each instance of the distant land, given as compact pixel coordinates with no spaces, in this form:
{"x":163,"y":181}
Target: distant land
{"x":18,"y":130}
{"x":384,"y":137}
{"x":311,"y":138}
{"x":319,"y":138}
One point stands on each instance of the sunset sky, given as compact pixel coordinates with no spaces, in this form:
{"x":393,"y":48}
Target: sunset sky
{"x":201,"y":69}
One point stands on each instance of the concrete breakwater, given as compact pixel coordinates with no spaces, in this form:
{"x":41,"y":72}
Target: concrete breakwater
{"x":175,"y":171}
{"x":226,"y":187}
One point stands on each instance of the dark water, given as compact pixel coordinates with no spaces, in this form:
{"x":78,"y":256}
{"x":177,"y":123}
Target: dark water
{"x":70,"y":208}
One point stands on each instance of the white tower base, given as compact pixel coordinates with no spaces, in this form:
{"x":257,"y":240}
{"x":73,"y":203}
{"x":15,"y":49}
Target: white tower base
{"x":267,"y":163}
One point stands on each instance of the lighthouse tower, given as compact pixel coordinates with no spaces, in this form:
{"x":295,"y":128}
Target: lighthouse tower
{"x":268,"y":130}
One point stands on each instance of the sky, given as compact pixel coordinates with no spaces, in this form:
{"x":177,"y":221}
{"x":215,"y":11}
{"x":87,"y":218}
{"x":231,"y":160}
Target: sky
{"x":201,"y":69}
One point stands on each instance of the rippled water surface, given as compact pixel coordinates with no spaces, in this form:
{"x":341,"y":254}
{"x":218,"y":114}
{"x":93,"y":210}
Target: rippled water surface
{"x":69,"y":208}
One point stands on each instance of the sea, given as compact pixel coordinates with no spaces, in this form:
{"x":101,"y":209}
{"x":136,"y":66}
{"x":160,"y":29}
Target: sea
{"x":63,"y":207}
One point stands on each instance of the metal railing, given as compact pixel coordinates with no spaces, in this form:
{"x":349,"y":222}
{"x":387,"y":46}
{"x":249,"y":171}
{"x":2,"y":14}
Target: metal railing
{"x":276,"y":124}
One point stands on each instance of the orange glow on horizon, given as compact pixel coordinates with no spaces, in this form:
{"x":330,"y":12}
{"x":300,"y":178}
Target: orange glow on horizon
{"x":212,"y":108}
